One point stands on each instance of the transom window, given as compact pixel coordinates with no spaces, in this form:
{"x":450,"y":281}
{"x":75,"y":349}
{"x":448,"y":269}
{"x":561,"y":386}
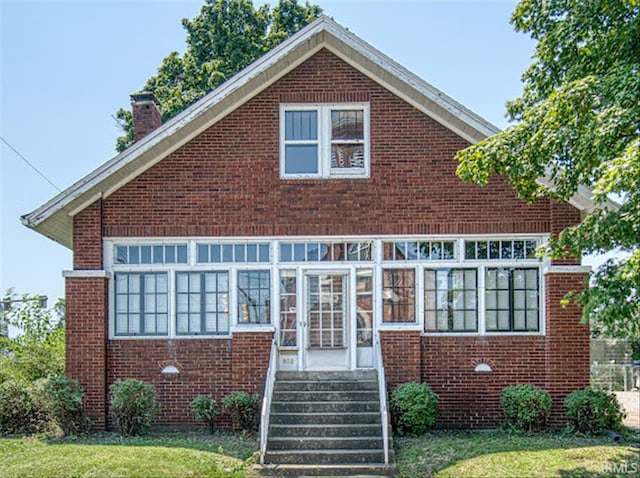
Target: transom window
{"x":325,"y":251}
{"x":238,"y":252}
{"x":418,"y":250}
{"x":500,"y":249}
{"x":151,"y":254}
{"x":324,"y":141}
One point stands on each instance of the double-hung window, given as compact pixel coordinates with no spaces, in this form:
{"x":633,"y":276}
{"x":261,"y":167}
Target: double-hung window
{"x":450,"y":300}
{"x":322,"y":141}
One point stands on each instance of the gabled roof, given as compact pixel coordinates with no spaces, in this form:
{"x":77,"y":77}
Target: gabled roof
{"x":54,"y":219}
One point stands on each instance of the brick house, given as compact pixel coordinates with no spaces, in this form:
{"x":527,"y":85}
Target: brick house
{"x":312,"y":201}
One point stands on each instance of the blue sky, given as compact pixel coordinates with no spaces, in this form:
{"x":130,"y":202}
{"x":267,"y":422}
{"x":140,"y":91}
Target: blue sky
{"x":67,"y":66}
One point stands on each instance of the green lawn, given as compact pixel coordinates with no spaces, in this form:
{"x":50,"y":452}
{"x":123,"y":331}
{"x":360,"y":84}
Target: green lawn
{"x":108,"y":455}
{"x":440,"y":454}
{"x":498,"y":454}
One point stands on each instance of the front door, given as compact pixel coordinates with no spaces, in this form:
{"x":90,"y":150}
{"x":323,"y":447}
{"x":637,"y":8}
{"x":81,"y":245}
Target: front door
{"x":326,"y":321}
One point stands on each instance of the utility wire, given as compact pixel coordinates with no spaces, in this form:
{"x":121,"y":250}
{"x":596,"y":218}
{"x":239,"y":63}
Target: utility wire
{"x":32,"y":166}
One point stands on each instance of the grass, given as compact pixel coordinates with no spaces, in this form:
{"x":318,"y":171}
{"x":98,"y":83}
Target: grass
{"x":109,"y":455}
{"x":438,"y":454}
{"x":499,"y":454}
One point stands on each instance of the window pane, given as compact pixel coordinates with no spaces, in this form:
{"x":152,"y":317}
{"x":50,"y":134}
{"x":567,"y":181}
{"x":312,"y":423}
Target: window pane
{"x":263,"y":252}
{"x":347,"y":156}
{"x":158,"y":254}
{"x":398,"y":295}
{"x":182,"y":254}
{"x":252,"y":253}
{"x":134,"y":255}
{"x":286,"y":252}
{"x":170,"y":254}
{"x":203,"y":253}
{"x":145,"y":255}
{"x":227,"y":253}
{"x":301,"y":125}
{"x":470,"y":250}
{"x":347,"y":124}
{"x":301,"y":159}
{"x":121,"y":255}
{"x":214,"y":251}
{"x":254,"y":297}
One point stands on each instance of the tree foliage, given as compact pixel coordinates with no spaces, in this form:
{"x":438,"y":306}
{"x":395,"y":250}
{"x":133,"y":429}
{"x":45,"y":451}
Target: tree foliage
{"x":225,"y":37}
{"x":576,"y":124}
{"x":38,"y":349}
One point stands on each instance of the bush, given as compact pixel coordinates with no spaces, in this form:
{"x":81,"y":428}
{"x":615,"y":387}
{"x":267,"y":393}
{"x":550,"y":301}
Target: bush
{"x":19,"y":414}
{"x":134,"y":405}
{"x":526,"y":407}
{"x":244,"y":409}
{"x":593,"y":411}
{"x":414,"y":407}
{"x":205,"y":409}
{"x":62,"y":399}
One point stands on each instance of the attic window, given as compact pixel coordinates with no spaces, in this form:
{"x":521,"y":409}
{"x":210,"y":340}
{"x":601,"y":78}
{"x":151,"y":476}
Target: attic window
{"x":324,"y":141}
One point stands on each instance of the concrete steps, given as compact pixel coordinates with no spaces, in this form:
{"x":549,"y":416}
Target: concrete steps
{"x":325,"y":424}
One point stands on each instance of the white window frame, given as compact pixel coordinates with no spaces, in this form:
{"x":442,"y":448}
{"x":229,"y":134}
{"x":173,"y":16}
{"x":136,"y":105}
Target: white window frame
{"x":324,"y":141}
{"x":376,"y":263}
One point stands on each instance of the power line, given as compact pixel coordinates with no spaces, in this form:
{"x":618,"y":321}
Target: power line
{"x":32,"y":166}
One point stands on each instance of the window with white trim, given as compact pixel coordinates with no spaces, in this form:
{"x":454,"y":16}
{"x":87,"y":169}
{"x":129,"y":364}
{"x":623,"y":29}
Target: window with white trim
{"x":254,"y":297}
{"x":141,"y":303}
{"x":451,"y":300}
{"x":398,"y":296}
{"x":322,"y":141}
{"x":202,"y":303}
{"x":512,"y":299}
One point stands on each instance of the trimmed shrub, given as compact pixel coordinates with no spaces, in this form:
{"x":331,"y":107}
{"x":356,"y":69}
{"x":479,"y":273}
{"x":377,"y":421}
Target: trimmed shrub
{"x":205,"y":409}
{"x":61,"y":398}
{"x":19,"y":414}
{"x":414,"y":407}
{"x":244,"y":410}
{"x":526,"y":407}
{"x":134,"y":405}
{"x":593,"y":411}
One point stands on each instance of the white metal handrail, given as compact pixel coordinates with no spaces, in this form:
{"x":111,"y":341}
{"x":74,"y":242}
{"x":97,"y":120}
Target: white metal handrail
{"x":382,"y":389}
{"x":266,"y":399}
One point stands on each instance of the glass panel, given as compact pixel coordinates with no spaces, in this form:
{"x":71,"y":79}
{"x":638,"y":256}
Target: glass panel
{"x":530,"y":249}
{"x":252,"y":253}
{"x":532,"y":320}
{"x":398,"y":295}
{"x":182,"y":282}
{"x":170,"y":254}
{"x":347,"y":156}
{"x":134,"y":255}
{"x":121,"y":255}
{"x":161,"y":282}
{"x":494,"y":250}
{"x":518,"y":250}
{"x":470,"y":250}
{"x":215,"y":252}
{"x":447,"y":250}
{"x":158,"y":254}
{"x":481,"y":248}
{"x":263,"y":252}
{"x":227,"y":253}
{"x":286,"y":252}
{"x":254,"y":297}
{"x":507,"y":249}
{"x":239,"y":253}
{"x":182,"y":254}
{"x":203,"y":253}
{"x":145,"y":255}
{"x":301,"y":125}
{"x":299,"y":252}
{"x":301,"y":159}
{"x":347,"y":124}
{"x":532,"y":278}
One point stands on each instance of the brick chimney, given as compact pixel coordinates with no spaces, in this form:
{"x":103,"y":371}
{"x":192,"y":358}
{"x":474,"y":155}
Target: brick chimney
{"x":146,"y":115}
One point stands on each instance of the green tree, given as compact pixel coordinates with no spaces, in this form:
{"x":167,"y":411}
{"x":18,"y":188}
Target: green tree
{"x":577,"y":124}
{"x":225,"y":37}
{"x":38,"y":349}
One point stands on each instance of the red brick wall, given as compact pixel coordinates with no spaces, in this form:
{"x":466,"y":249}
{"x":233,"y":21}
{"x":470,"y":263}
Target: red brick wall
{"x":567,"y":341}
{"x":401,"y":355}
{"x":470,"y":399}
{"x":226,"y":181}
{"x":86,"y":338}
{"x":87,"y":238}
